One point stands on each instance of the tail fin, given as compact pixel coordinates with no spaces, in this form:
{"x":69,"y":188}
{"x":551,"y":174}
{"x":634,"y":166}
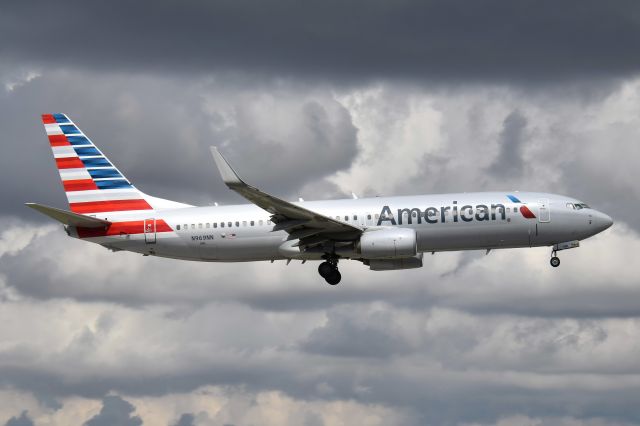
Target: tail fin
{"x":92,"y":183}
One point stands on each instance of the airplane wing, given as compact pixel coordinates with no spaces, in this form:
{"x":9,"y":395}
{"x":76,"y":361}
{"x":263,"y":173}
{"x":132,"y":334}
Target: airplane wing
{"x":70,"y":218}
{"x":310,"y":227}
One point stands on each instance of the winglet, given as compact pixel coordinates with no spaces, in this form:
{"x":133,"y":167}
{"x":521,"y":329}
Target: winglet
{"x":69,"y":218}
{"x":229,"y":176}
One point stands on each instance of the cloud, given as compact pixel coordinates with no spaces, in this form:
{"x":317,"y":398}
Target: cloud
{"x":509,"y":162}
{"x":115,"y":411}
{"x":186,"y":419}
{"x":356,"y":334}
{"x":300,"y":135}
{"x":23,"y":420}
{"x":318,"y":100}
{"x":412,"y":40}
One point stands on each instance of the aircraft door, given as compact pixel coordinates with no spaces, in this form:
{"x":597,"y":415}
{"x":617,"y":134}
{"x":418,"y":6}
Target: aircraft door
{"x":150,"y":231}
{"x":544,"y":213}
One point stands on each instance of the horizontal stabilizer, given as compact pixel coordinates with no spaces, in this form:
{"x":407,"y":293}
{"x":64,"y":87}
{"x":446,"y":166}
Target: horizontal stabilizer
{"x":69,"y":218}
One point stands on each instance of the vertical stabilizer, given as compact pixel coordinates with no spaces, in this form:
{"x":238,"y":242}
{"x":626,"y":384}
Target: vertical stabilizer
{"x":92,"y":183}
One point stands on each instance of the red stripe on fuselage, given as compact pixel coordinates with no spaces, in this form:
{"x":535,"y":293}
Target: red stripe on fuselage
{"x":527,"y":213}
{"x":58,"y":140}
{"x":79,"y":185}
{"x":122,"y":228}
{"x":48,"y":119}
{"x":69,"y":163}
{"x":110,"y":206}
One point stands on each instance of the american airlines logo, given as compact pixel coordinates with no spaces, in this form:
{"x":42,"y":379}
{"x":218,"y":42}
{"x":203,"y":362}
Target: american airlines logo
{"x":453,"y":212}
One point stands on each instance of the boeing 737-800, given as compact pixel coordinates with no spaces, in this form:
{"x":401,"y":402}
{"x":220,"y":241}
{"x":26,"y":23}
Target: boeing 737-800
{"x":384,"y":233}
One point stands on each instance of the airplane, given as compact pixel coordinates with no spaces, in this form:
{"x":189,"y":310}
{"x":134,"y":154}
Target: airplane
{"x":384,"y":233}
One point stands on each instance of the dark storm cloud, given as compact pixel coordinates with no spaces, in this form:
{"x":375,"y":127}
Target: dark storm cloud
{"x":158,"y":133}
{"x":345,"y":334}
{"x":115,"y":411}
{"x":446,"y":40}
{"x":22,"y":420}
{"x":509,"y":163}
{"x":187,"y":419}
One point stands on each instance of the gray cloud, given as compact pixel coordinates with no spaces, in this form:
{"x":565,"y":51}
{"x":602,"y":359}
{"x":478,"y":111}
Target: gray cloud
{"x":315,"y":100}
{"x":170,"y":124}
{"x":186,"y":419}
{"x":346,"y":334}
{"x":114,"y":411}
{"x":433,"y":40}
{"x":509,"y":162}
{"x":22,"y":420}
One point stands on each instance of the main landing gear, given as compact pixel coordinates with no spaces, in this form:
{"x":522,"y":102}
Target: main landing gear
{"x":329,"y":270}
{"x":555,"y":260}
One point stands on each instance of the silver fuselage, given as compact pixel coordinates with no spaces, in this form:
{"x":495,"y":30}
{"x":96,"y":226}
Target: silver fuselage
{"x":443,"y":222}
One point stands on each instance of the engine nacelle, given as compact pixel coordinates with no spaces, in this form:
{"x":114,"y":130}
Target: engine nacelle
{"x":393,"y":264}
{"x":389,"y":243}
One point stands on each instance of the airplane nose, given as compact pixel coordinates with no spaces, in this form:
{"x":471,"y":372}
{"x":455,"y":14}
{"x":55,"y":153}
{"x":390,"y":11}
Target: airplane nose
{"x":603,"y":221}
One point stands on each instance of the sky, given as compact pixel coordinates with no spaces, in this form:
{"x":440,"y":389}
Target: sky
{"x":319,"y":99}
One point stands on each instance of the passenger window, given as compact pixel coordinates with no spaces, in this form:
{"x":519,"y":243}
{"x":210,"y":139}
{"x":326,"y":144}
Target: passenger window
{"x":215,"y":224}
{"x":369,"y":217}
{"x":515,"y":210}
{"x":244,"y":223}
{"x":260,"y":222}
{"x":237,"y":224}
{"x":206,"y":225}
{"x":355,"y":217}
{"x":346,"y":218}
{"x":193,"y":226}
{"x":178,"y":227}
{"x":185,"y":227}
{"x":252,"y":223}
{"x":221,"y":224}
{"x":268,"y":222}
{"x":229,"y":224}
{"x":200,"y":225}
{"x":377,"y":216}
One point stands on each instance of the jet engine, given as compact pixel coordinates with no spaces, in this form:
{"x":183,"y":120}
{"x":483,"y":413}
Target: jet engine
{"x":388,"y":243}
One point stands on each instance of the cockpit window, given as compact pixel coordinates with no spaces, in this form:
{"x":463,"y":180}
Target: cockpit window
{"x":570,"y":206}
{"x":580,"y":206}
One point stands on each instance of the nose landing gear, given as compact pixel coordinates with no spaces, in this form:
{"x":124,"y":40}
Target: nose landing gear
{"x":329,"y":271}
{"x":555,"y":260}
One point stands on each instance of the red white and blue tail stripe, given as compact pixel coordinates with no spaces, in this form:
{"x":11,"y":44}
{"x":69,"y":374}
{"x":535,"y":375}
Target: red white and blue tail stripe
{"x":92,"y":183}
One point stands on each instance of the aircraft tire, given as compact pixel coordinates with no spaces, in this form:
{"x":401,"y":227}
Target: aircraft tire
{"x":325,"y":269}
{"x":555,"y":261}
{"x":334,"y":277}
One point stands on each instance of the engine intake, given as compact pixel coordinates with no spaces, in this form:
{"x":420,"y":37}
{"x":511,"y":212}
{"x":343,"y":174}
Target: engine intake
{"x":388,"y":243}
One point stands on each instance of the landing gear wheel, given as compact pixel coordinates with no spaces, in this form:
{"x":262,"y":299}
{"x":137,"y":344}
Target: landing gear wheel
{"x":325,"y":269}
{"x":334,"y":277}
{"x":555,"y":261}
